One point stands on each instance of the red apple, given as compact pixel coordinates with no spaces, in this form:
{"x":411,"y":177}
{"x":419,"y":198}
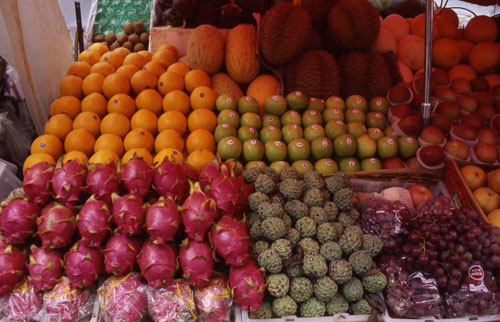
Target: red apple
{"x":487,"y":135}
{"x":441,"y":121}
{"x":484,"y":98}
{"x":457,"y":149}
{"x":432,"y":134}
{"x":420,"y":194}
{"x":487,"y":112}
{"x":465,"y":132}
{"x":450,"y":109}
{"x":411,"y":125}
{"x":414,"y":164}
{"x":441,"y":77}
{"x":416,"y":104}
{"x":461,"y":86}
{"x":393,"y":163}
{"x":419,"y":83}
{"x":496,"y":124}
{"x":479,"y":84}
{"x":496,"y":90}
{"x":473,"y":119}
{"x":486,"y":153}
{"x":431,"y":155}
{"x":445,"y":94}
{"x":399,"y":93}
{"x":468,"y":103}
{"x":401,"y":111}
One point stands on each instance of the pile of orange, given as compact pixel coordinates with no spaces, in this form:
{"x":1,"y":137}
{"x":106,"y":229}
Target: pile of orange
{"x":114,"y":105}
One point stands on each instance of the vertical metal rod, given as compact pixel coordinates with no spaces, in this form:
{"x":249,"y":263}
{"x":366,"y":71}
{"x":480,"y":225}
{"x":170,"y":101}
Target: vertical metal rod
{"x":429,"y":22}
{"x":79,"y":28}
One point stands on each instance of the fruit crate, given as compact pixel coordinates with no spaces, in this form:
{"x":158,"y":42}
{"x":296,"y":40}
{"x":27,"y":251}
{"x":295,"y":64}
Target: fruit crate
{"x":337,"y":317}
{"x":488,"y":318}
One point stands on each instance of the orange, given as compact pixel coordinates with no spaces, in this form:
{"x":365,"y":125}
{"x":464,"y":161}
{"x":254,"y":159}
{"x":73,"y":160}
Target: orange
{"x":411,"y":52}
{"x":115,"y":84}
{"x":144,"y":119}
{"x":115,"y":123}
{"x":104,"y":156}
{"x":68,"y":105}
{"x":465,"y":47}
{"x":139,"y":138}
{"x":485,"y":57}
{"x":174,"y":120}
{"x":198,"y":159}
{"x":88,"y":121}
{"x":102,"y":68}
{"x":462,"y":71}
{"x":128,"y":71}
{"x":200,"y":139}
{"x":169,"y":153}
{"x":446,"y":53}
{"x":135,"y":59}
{"x":37,"y":158}
{"x":47,"y":143}
{"x":196,"y":78}
{"x":79,"y":68}
{"x":59,"y":125}
{"x":176,"y":100}
{"x":143,"y":80}
{"x":169,"y":139}
{"x":203,"y":97}
{"x":170,"y":81}
{"x":122,"y":103}
{"x":179,"y":68}
{"x":146,"y":54}
{"x":417,"y":27}
{"x":481,"y":28}
{"x":155,"y":68}
{"x":168,"y":47}
{"x":110,"y":142}
{"x":122,"y":51}
{"x":112,"y":57}
{"x":79,"y":140}
{"x":100,"y":47}
{"x":202,"y":119}
{"x":149,"y":99}
{"x":95,"y":103}
{"x":139,"y":153}
{"x":78,"y":155}
{"x":71,"y":86}
{"x":92,"y":84}
{"x":89,"y":56}
{"x":166,"y":57}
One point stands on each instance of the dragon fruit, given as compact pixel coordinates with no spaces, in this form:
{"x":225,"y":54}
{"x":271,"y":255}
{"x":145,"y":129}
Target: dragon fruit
{"x":68,"y":181}
{"x":162,"y":220}
{"x":172,"y":303}
{"x":247,"y":284}
{"x":213,"y":301}
{"x":190,"y":173}
{"x":157,"y":263}
{"x":245,"y":191}
{"x":196,"y":259}
{"x":198,"y":213}
{"x":123,"y":298}
{"x":45,"y":268}
{"x":36,"y":184}
{"x":11,"y":267}
{"x":83,"y":264}
{"x":230,"y":239}
{"x":170,"y":180}
{"x":211,"y":171}
{"x":128,"y":213}
{"x":102,"y":180}
{"x":120,"y":254}
{"x":225,"y":193}
{"x":56,"y":226}
{"x":24,"y":303}
{"x":137,"y":176}
{"x":93,"y":222}
{"x":18,"y":221}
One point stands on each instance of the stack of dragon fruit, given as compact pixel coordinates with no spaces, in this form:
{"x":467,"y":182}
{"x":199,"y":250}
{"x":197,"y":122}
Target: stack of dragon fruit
{"x":114,"y":218}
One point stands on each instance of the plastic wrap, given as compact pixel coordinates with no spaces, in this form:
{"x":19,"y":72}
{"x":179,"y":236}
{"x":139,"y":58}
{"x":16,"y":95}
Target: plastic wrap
{"x":123,"y":298}
{"x":17,"y":143}
{"x":214,"y":302}
{"x":172,"y":303}
{"x":22,"y":304}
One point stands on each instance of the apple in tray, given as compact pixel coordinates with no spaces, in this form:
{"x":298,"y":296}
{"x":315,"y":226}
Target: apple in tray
{"x":433,"y":135}
{"x":474,"y":176}
{"x":420,"y":194}
{"x":457,"y":149}
{"x":486,"y":153}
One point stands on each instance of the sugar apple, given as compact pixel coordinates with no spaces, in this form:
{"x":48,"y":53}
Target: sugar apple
{"x":259,"y":247}
{"x":326,"y":233}
{"x":331,"y":251}
{"x":293,"y":236}
{"x":306,"y":227}
{"x":250,"y":175}
{"x":361,"y":307}
{"x":255,"y":199}
{"x":291,"y":188}
{"x":273,"y":228}
{"x":343,"y":199}
{"x":351,"y":240}
{"x":301,"y":289}
{"x":283,"y":247}
{"x":340,"y":271}
{"x":361,"y":262}
{"x":294,"y":271}
{"x":289,"y":173}
{"x":325,"y":288}
{"x":353,"y":290}
{"x":277,"y":285}
{"x":348,"y":218}
{"x":255,"y":231}
{"x":331,"y":211}
{"x":337,"y":305}
{"x":313,"y":198}
{"x":265,"y":184}
{"x":265,"y":311}
{"x":269,"y":209}
{"x":312,"y":308}
{"x":336,"y":182}
{"x":372,"y":244}
{"x":296,"y":209}
{"x":309,"y":245}
{"x":287,"y":220}
{"x":374,"y":281}
{"x":284,"y":306}
{"x":314,"y":265}
{"x":318,"y":214}
{"x":271,"y":173}
{"x":270,"y":260}
{"x":313,"y":179}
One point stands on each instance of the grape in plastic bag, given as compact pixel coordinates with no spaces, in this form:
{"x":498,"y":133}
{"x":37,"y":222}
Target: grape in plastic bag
{"x":214,"y":302}
{"x":123,"y":298}
{"x":172,"y":303}
{"x":24,"y":303}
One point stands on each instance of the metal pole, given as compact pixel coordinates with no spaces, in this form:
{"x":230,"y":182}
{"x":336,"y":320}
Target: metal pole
{"x":79,"y":29}
{"x":429,"y":22}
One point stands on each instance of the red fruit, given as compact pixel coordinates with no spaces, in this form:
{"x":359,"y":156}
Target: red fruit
{"x":484,"y":98}
{"x":247,"y":284}
{"x":137,"y":176}
{"x":473,"y":119}
{"x":431,"y":155}
{"x":465,"y":132}
{"x":102,"y":180}
{"x":213,"y":301}
{"x":393,"y":163}
{"x":36,"y":184}
{"x":401,"y":111}
{"x":198,"y":213}
{"x":479,"y":84}
{"x":196,"y":260}
{"x":11,"y":267}
{"x":172,"y":303}
{"x":487,"y":112}
{"x":230,"y":239}
{"x":162,"y":220}
{"x":432,"y":134}
{"x":157,"y":263}
{"x":444,"y":94}
{"x":67,"y":182}
{"x":170,"y":180}
{"x":93,"y":222}
{"x":485,"y":152}
{"x":83,"y":265}
{"x":441,"y":121}
{"x":120,"y":254}
{"x":450,"y":109}
{"x":211,"y":171}
{"x":56,"y":226}
{"x":128,"y":213}
{"x":190,"y":173}
{"x":65,"y":302}
{"x":45,"y":268}
{"x":461,"y":86}
{"x":487,"y":135}
{"x":225,"y":193}
{"x":245,"y":191}
{"x":24,"y":303}
{"x":18,"y":220}
{"x":411,"y":125}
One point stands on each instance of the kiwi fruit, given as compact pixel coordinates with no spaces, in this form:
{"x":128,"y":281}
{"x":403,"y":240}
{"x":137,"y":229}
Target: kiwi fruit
{"x":144,"y":38}
{"x":99,"y":38}
{"x":114,"y":45}
{"x":122,"y":38}
{"x":128,"y":28}
{"x":138,"y":47}
{"x":139,"y":27}
{"x":110,"y":38}
{"x":128,"y":45}
{"x":133,"y":39}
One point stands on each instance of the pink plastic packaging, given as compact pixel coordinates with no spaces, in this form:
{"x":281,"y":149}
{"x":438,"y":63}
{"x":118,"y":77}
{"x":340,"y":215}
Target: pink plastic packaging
{"x":214,"y":302}
{"x":172,"y":303}
{"x":24,"y":303}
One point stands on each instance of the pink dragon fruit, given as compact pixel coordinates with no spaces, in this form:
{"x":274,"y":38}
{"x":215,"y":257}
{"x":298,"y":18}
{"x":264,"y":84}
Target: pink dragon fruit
{"x":120,"y":254}
{"x":213,"y":301}
{"x":124,"y":298}
{"x":230,"y":239}
{"x":196,"y":259}
{"x":24,"y":303}
{"x":56,"y":226}
{"x":68,"y":181}
{"x":225,"y":193}
{"x":190,"y":173}
{"x":245,"y":191}
{"x":18,"y":221}
{"x":211,"y":171}
{"x":198,"y":213}
{"x":172,"y":303}
{"x":137,"y":176}
{"x":36,"y":184}
{"x":93,"y":222}
{"x":83,"y":264}
{"x":11,"y":267}
{"x":162,"y":220}
{"x":45,"y":268}
{"x":157,"y":263}
{"x":170,"y":180}
{"x":102,"y":180}
{"x":128,"y":213}
{"x":247,"y":284}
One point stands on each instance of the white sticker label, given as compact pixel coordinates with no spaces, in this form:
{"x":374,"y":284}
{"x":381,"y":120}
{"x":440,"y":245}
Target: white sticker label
{"x":299,"y":94}
{"x":349,"y":141}
{"x":225,"y":125}
{"x":476,"y":272}
{"x":275,"y":98}
{"x":299,"y":144}
{"x":351,"y":163}
{"x":253,"y":141}
{"x":230,"y":142}
{"x":277,"y":143}
{"x":410,"y":140}
{"x":390,"y":141}
{"x":324,"y":143}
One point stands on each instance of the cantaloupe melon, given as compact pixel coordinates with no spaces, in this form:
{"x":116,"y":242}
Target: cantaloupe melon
{"x":223,"y":84}
{"x":242,"y":63}
{"x":205,"y":49}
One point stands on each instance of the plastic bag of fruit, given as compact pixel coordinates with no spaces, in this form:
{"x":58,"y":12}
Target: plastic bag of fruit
{"x":123,"y":298}
{"x":213,"y":302}
{"x":172,"y":303}
{"x":22,"y":304}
